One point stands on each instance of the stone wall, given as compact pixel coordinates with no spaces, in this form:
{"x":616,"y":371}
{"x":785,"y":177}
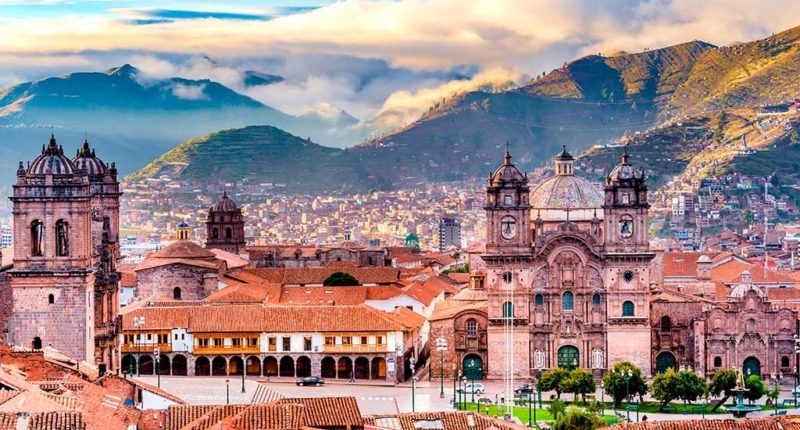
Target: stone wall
{"x":161,"y":281}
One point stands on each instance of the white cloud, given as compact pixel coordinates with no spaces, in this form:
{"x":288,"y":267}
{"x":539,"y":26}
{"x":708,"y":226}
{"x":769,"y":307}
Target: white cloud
{"x":189,"y":92}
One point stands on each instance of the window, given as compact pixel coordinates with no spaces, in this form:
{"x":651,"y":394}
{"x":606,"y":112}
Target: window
{"x":51,"y":299}
{"x":215,"y":233}
{"x":717,"y":361}
{"x":202,"y":342}
{"x":507,"y":200}
{"x":626,"y":198}
{"x":785,"y":361}
{"x":347,"y":340}
{"x":330,"y":341}
{"x":236,"y":342}
{"x":567,"y":302}
{"x":379,"y":340}
{"x":271,"y":344}
{"x":37,"y":235}
{"x":666,"y":324}
{"x":286,"y":344}
{"x":508,"y":310}
{"x":626,"y":226}
{"x":627,"y":308}
{"x":228,"y":233}
{"x":62,"y":238}
{"x":507,"y":277}
{"x":307,"y":343}
{"x":219,"y":342}
{"x":163,"y":338}
{"x":539,"y":299}
{"x":363,"y":340}
{"x":596,"y":299}
{"x":253,"y":341}
{"x":472,"y":327}
{"x":176,"y":293}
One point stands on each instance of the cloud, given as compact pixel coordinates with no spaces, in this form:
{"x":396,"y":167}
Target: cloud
{"x":189,"y":92}
{"x":145,"y":16}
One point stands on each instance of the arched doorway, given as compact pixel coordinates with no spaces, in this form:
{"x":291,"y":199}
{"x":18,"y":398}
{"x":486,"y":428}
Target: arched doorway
{"x":568,"y":357}
{"x":378,"y":368}
{"x":163,"y":365}
{"x":202,"y":367}
{"x":219,"y":367}
{"x":129,"y":364}
{"x":473,"y":367}
{"x":287,"y":366}
{"x":344,"y":368}
{"x":665,"y":360}
{"x":146,"y":365}
{"x":253,"y":366}
{"x":751,"y":366}
{"x":36,"y":344}
{"x":270,"y":366}
{"x":303,"y":367}
{"x":362,"y":368}
{"x":235,"y":366}
{"x":179,"y":367}
{"x":328,"y":369}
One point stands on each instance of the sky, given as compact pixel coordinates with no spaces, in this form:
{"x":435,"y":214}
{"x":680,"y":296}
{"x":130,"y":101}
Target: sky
{"x":384,"y":62}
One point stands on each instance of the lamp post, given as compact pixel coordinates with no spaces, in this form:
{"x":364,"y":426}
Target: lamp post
{"x":157,"y":353}
{"x":441,"y":345}
{"x":539,"y":387}
{"x":455,"y":378}
{"x":602,"y":398}
{"x":244,"y":370}
{"x":626,"y":375}
{"x":413,"y":363}
{"x":464,"y":390}
{"x":227,"y":391}
{"x":776,"y":379}
{"x":530,"y":400}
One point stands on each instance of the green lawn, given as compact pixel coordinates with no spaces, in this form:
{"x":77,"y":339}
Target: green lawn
{"x":522,"y":413}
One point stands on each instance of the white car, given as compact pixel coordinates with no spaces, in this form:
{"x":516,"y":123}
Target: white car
{"x":476,"y":388}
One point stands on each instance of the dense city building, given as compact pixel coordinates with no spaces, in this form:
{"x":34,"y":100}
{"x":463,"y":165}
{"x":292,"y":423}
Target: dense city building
{"x":449,"y":233}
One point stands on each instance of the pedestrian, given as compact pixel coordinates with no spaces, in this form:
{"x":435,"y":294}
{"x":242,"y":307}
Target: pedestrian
{"x":352,"y":378}
{"x":644,"y":418}
{"x":496,"y":396}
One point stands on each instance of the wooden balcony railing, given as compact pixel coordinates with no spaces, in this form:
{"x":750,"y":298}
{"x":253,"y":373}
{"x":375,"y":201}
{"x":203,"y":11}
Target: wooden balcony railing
{"x":147,"y":348}
{"x":230,"y":349}
{"x":355,"y":348}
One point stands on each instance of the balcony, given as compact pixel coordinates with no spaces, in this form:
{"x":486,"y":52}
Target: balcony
{"x":355,"y":348}
{"x":147,"y":348}
{"x":227,"y":350}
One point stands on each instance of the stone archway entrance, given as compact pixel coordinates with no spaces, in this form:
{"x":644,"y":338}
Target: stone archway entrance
{"x":751,"y":366}
{"x":568,"y":357}
{"x":473,"y":367}
{"x":665,"y":360}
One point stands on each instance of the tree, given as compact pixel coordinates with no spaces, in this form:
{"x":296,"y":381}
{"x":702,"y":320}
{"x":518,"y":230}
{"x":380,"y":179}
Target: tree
{"x":755,"y":388}
{"x":722,"y":383}
{"x":691,"y":386}
{"x":664,"y":387}
{"x":340,"y":279}
{"x":577,"y":419}
{"x":615,"y":383}
{"x":553,"y":380}
{"x":557,"y":408}
{"x":579,"y":381}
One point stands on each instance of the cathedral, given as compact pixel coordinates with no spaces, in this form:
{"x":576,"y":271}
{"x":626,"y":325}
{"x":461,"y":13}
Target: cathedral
{"x":64,"y":282}
{"x":567,"y":270}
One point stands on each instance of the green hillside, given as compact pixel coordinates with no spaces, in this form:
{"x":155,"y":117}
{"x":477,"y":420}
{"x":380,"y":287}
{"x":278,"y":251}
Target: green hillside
{"x":258,"y":154}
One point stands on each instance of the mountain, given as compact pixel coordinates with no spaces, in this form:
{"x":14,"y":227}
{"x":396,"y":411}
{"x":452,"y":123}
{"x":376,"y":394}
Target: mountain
{"x":254,"y":79}
{"x":132,"y":118}
{"x":258,"y":155}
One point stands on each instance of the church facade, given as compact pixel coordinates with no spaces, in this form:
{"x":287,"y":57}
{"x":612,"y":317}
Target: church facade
{"x":567,"y":271}
{"x":64,"y":281}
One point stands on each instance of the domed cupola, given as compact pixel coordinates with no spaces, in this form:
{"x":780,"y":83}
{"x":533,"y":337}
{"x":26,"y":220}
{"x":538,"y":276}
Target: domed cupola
{"x":225,"y":204}
{"x":86,"y":160}
{"x":624,"y":173}
{"x":52,"y":161}
{"x":507,"y":174}
{"x":566,"y":197}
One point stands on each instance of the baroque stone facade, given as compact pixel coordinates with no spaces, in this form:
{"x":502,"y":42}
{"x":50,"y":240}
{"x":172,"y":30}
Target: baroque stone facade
{"x":225,"y":226}
{"x":565,"y":286}
{"x":64,"y":281}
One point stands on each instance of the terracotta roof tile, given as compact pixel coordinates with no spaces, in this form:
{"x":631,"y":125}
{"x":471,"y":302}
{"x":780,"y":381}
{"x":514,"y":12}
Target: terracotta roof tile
{"x":8,"y":421}
{"x":57,"y":421}
{"x":787,"y":423}
{"x":271,"y":416}
{"x":317,"y":275}
{"x":179,"y":416}
{"x":449,"y":420}
{"x":328,"y":411}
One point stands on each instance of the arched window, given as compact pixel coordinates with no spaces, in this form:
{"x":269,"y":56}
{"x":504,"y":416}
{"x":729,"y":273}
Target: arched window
{"x":596,"y":299}
{"x":508,"y":310}
{"x":62,"y":238}
{"x":51,"y":299}
{"x":717,"y":361}
{"x":472,"y":327}
{"x":627,"y":308}
{"x":666,"y":323}
{"x":176,"y":293}
{"x":567,"y":302}
{"x":784,"y":361}
{"x":228,"y":233}
{"x":539,"y":299}
{"x":37,"y":235}
{"x":215,"y":233}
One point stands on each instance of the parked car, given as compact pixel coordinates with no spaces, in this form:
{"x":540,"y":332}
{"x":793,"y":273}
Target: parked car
{"x":525,"y":389}
{"x":476,"y":388}
{"x":310,"y":380}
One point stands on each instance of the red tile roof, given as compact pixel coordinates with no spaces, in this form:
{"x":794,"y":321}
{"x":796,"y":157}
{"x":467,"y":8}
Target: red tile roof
{"x":328,"y":411}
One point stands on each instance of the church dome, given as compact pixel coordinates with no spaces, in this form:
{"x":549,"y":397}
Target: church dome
{"x":52,"y":160}
{"x":624,"y":171}
{"x":507,"y":174}
{"x":86,"y":160}
{"x":566,"y":196}
{"x":225,"y":204}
